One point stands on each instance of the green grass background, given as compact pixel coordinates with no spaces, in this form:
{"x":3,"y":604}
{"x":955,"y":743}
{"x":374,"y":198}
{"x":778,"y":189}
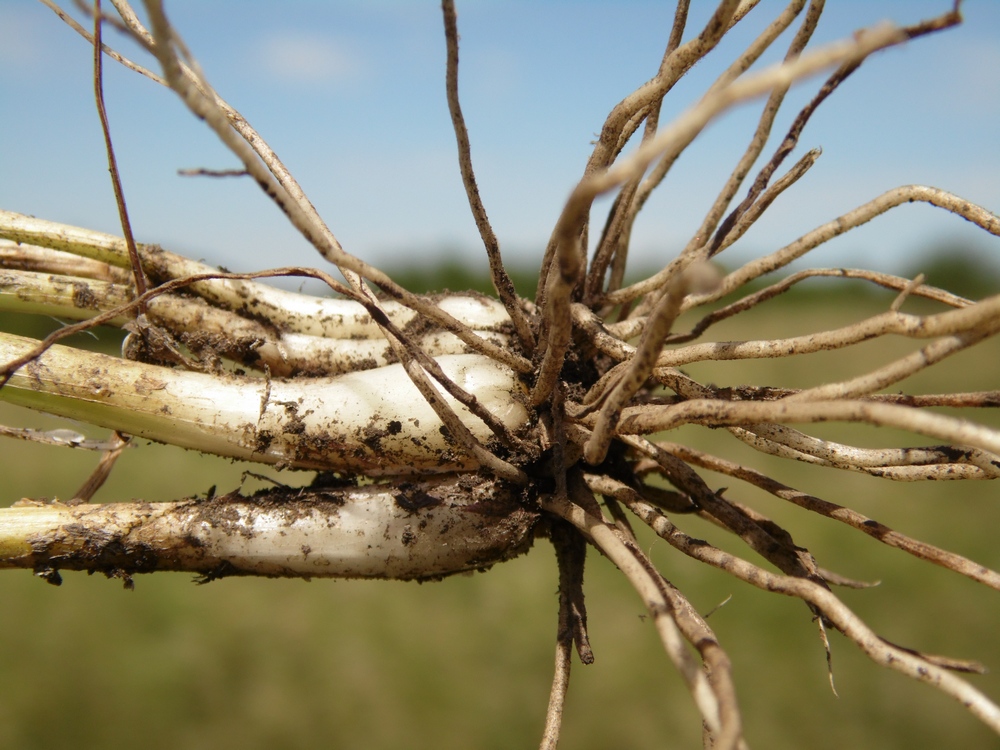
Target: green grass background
{"x":466,"y":662}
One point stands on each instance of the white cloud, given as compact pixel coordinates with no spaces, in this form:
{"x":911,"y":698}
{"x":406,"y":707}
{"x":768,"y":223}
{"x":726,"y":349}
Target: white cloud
{"x":304,"y":57}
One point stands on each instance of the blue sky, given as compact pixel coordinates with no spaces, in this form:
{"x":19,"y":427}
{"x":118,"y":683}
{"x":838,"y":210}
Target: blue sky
{"x":351,"y":96}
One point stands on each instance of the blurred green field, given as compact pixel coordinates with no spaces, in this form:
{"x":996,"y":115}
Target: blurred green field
{"x":467,"y":662}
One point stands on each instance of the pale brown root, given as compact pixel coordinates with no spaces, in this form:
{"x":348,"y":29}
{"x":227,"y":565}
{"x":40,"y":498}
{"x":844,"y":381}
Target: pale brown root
{"x":762,"y":536}
{"x":630,"y":326}
{"x":139,"y":279}
{"x":666,"y":145}
{"x":861,"y":215}
{"x":881,"y":532}
{"x":71,"y":22}
{"x":836,"y":613}
{"x":640,"y":367}
{"x":557,"y":693}
{"x":983,"y":315}
{"x":755,"y":147}
{"x":571,"y":552}
{"x":302,"y":219}
{"x":577,"y":394}
{"x":939,"y":462}
{"x":711,"y":412}
{"x":102,"y":471}
{"x":650,"y":585}
{"x":501,"y":280}
{"x":624,"y":119}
